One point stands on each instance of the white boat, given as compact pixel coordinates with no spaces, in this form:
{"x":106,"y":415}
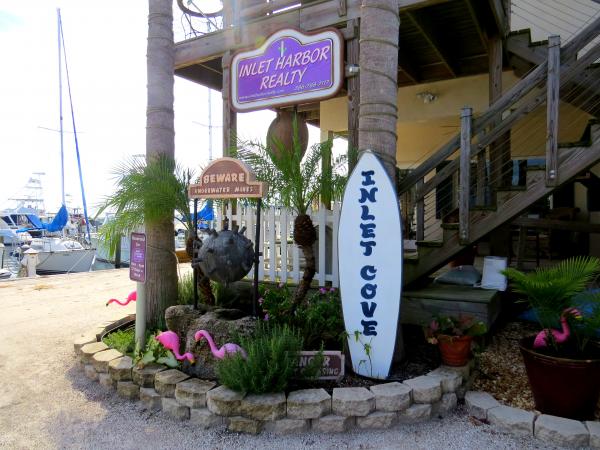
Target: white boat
{"x":62,"y":255}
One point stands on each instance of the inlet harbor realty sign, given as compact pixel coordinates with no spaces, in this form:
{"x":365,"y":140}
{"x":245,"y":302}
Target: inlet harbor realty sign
{"x":137,"y":263}
{"x":227,"y":178}
{"x":289,"y":68}
{"x":370,"y":266}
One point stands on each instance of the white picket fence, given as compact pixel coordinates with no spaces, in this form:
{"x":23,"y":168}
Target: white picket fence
{"x":281,"y":259}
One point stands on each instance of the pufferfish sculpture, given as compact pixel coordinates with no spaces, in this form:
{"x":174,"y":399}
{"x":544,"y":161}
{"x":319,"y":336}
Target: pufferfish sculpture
{"x":225,"y":256}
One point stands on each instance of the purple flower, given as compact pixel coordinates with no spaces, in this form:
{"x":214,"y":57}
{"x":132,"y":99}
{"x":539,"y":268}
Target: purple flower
{"x":261,"y":301}
{"x":281,"y":285}
{"x":332,"y":289}
{"x":323,"y":291}
{"x":266,"y":318}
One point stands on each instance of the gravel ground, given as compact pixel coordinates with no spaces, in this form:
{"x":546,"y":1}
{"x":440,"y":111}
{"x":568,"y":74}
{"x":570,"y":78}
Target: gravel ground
{"x":46,"y":402}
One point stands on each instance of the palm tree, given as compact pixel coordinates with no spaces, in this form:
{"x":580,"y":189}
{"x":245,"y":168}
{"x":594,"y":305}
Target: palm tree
{"x":161,"y":273}
{"x":297,"y":183}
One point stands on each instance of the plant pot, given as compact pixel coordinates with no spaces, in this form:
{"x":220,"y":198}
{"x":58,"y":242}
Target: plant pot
{"x":561,"y":386}
{"x":455,"y":350}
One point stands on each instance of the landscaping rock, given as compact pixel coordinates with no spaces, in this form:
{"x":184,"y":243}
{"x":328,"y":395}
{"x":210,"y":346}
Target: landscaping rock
{"x":165,"y":382}
{"x":223,"y":401}
{"x":192,"y":393}
{"x":287,"y":426}
{"x":174,"y":409}
{"x":144,"y":376}
{"x":415,"y":413}
{"x":308,"y":404}
{"x":444,"y":406}
{"x":222,"y":324}
{"x":120,"y":368}
{"x":352,"y":401}
{"x":425,"y":389}
{"x":479,"y":403}
{"x":463,"y":371}
{"x":333,"y":424}
{"x":100,"y":360}
{"x":376,"y":420}
{"x":106,"y":381}
{"x":450,"y":379}
{"x":89,"y":350}
{"x":90,"y":372}
{"x":513,"y":420}
{"x":82,"y":340}
{"x":391,"y":396}
{"x":128,"y":389}
{"x":264,"y":406}
{"x":150,"y":399}
{"x":205,"y":419}
{"x":241,"y":424}
{"x":594,"y":429}
{"x":560,"y":431}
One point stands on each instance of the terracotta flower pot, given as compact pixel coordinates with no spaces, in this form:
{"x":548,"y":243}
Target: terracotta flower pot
{"x":455,"y":350}
{"x":561,"y":386}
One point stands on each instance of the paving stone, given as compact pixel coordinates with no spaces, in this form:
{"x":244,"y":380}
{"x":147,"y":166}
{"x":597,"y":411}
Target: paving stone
{"x":443,"y":407}
{"x":594,"y":429}
{"x":120,"y":368}
{"x":205,"y":419}
{"x":223,"y":401}
{"x":392,"y":396}
{"x":241,"y":424}
{"x":166,"y":380}
{"x":352,"y":401}
{"x":144,"y":376}
{"x":106,"y":381}
{"x":100,"y":360}
{"x":128,"y":389}
{"x":425,"y":389}
{"x":415,"y":413}
{"x":89,"y":350}
{"x":80,"y":341}
{"x":90,"y":372}
{"x":287,"y":426}
{"x":263,"y":406}
{"x":377,"y":420}
{"x":561,"y":431}
{"x":514,"y":420}
{"x":450,"y":379}
{"x":174,"y":409}
{"x":308,"y":404}
{"x":150,"y":399}
{"x":333,"y":424}
{"x":478,"y":403}
{"x":192,"y":393}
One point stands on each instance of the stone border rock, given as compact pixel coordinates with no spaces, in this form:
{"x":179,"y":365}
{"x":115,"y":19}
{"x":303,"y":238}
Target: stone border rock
{"x":207,"y":405}
{"x":551,"y":429}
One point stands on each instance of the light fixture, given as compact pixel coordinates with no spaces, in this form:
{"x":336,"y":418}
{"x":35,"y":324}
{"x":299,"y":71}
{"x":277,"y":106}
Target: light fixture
{"x":427,"y":96}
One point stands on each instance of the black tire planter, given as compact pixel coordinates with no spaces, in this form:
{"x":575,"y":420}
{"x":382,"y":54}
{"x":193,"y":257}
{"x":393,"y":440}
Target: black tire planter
{"x":561,"y":386}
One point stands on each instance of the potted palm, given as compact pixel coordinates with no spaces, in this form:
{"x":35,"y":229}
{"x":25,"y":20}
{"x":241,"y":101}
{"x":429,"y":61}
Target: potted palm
{"x":453,"y":336}
{"x":563,"y":365}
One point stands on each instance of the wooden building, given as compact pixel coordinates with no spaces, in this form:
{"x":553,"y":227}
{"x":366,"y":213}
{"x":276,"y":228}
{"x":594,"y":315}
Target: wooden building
{"x":488,"y":122}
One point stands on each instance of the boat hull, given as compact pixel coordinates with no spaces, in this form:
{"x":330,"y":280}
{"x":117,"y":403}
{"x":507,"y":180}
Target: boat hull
{"x":67,"y":261}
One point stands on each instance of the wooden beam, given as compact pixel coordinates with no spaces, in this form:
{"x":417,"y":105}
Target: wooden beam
{"x":229,"y":116}
{"x":464,"y":194}
{"x":473,"y":11}
{"x":500,"y":17}
{"x":553,"y":224}
{"x":423,"y":24}
{"x":407,"y":65}
{"x":353,"y":86}
{"x":552,"y":104}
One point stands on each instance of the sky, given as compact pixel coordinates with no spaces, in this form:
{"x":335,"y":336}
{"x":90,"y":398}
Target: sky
{"x":106,"y":54}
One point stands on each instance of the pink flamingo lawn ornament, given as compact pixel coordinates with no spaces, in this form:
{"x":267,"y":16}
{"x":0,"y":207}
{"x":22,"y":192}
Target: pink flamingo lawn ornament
{"x":170,"y":341}
{"x":132,"y":297}
{"x":227,"y":349}
{"x":543,"y":337}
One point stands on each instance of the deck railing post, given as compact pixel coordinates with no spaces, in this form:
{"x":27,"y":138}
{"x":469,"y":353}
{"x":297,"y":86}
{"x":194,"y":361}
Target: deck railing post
{"x":552,"y":104}
{"x":420,"y":212}
{"x":464,"y":175}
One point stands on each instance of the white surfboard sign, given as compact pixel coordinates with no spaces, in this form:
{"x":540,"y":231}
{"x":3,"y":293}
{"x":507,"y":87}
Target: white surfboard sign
{"x":370,"y":266}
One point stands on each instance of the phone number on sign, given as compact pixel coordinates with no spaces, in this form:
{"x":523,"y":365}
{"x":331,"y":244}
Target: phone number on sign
{"x":312,"y":85}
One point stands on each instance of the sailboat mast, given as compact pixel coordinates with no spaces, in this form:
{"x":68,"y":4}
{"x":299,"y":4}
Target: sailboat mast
{"x":60,"y":100}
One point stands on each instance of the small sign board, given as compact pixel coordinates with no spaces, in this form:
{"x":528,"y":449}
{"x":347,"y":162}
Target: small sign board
{"x":137,"y":263}
{"x":333,"y":364}
{"x":290,"y":67}
{"x":227,"y":178}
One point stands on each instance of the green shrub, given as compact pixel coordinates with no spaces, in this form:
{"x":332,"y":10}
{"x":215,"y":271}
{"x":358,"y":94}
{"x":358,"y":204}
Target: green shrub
{"x":185,"y":289}
{"x":121,"y":340}
{"x":271,"y":363}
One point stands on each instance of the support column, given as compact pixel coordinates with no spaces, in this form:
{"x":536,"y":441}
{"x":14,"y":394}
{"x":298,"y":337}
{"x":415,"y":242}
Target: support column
{"x":229,"y":115}
{"x":352,"y":59}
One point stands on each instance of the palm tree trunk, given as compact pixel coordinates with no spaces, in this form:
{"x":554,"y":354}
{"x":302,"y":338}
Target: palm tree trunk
{"x":161,"y":269}
{"x":308,"y":275}
{"x":379,"y":29}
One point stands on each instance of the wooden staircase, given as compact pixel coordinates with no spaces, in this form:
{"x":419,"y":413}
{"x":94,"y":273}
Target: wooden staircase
{"x":556,"y":70}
